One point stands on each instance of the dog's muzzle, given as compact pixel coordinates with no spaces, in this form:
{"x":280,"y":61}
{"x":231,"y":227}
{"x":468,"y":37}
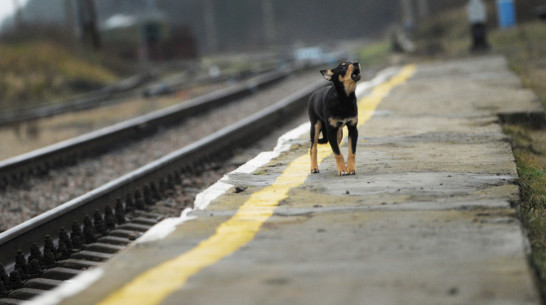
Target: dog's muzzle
{"x":356,"y":73}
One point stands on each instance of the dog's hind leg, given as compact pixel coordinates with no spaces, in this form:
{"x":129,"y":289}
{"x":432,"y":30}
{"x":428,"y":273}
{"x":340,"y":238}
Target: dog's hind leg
{"x":340,"y":161}
{"x":339,"y":135}
{"x":324,"y":139}
{"x":352,"y":140}
{"x":315,"y":131}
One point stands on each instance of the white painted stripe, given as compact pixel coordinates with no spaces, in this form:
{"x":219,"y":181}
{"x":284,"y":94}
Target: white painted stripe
{"x":164,"y":227}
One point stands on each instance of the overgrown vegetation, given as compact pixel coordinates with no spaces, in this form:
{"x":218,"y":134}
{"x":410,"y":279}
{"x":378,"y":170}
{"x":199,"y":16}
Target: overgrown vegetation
{"x":41,"y":71}
{"x":529,"y":148}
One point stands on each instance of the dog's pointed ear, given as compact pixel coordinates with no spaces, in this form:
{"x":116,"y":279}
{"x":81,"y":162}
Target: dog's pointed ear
{"x":327,"y":74}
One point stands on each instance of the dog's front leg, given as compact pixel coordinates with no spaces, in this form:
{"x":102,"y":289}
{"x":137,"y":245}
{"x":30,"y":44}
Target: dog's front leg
{"x":340,"y":161}
{"x":352,"y":140}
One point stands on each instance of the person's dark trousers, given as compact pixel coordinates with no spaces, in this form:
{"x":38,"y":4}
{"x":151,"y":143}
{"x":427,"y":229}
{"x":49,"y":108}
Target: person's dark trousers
{"x":479,"y":37}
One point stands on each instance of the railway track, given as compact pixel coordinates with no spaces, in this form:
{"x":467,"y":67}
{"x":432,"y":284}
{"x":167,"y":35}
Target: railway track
{"x":107,"y":95}
{"x":145,"y":84}
{"x":40,"y":253}
{"x":38,"y":194}
{"x":15,"y":170}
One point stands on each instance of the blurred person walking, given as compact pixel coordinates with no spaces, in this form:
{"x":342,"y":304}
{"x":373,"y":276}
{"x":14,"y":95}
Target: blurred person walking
{"x":477,"y":17}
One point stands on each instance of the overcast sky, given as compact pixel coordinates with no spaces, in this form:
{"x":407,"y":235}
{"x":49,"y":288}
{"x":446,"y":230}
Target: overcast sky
{"x":6,"y":8}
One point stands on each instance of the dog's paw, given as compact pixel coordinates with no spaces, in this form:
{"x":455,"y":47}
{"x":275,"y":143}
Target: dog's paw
{"x":315,"y":171}
{"x":353,"y":172}
{"x":343,"y":173}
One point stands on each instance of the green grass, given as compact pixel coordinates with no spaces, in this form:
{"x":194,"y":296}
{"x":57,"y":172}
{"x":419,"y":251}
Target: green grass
{"x":533,"y":206}
{"x":528,"y":151}
{"x":39,"y":71}
{"x":375,"y":54}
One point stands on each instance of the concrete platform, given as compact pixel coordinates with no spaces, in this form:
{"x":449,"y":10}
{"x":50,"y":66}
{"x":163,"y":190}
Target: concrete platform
{"x":429,"y":217}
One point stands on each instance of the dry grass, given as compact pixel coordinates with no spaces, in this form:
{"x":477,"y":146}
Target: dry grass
{"x":29,"y":136}
{"x":443,"y":36}
{"x":38,"y":71}
{"x":525,"y":48}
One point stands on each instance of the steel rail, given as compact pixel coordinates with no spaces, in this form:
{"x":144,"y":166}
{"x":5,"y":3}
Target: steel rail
{"x":217,"y":146}
{"x":14,"y":170}
{"x":112,"y":94}
{"x":84,"y":101}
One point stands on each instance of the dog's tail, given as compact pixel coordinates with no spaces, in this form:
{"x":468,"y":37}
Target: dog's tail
{"x":324,"y":139}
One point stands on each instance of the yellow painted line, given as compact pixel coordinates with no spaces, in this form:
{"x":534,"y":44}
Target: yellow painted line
{"x":154,"y":285}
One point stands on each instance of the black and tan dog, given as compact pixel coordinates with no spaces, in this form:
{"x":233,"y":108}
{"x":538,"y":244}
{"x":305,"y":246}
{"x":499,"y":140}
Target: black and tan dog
{"x":331,"y":108}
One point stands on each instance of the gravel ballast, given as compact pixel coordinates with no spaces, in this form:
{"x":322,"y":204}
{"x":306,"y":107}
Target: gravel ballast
{"x":41,"y":194}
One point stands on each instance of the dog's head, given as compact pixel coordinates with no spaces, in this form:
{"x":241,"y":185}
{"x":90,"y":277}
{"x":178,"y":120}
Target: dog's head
{"x":346,"y":74}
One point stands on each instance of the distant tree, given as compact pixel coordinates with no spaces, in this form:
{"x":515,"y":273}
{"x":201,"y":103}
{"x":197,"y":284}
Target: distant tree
{"x":18,"y":18}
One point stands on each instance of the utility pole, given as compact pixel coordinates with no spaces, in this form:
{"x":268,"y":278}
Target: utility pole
{"x":88,"y":23}
{"x":210,"y":26}
{"x":69,"y":19}
{"x":18,"y":20}
{"x":407,"y":15}
{"x":269,"y":22}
